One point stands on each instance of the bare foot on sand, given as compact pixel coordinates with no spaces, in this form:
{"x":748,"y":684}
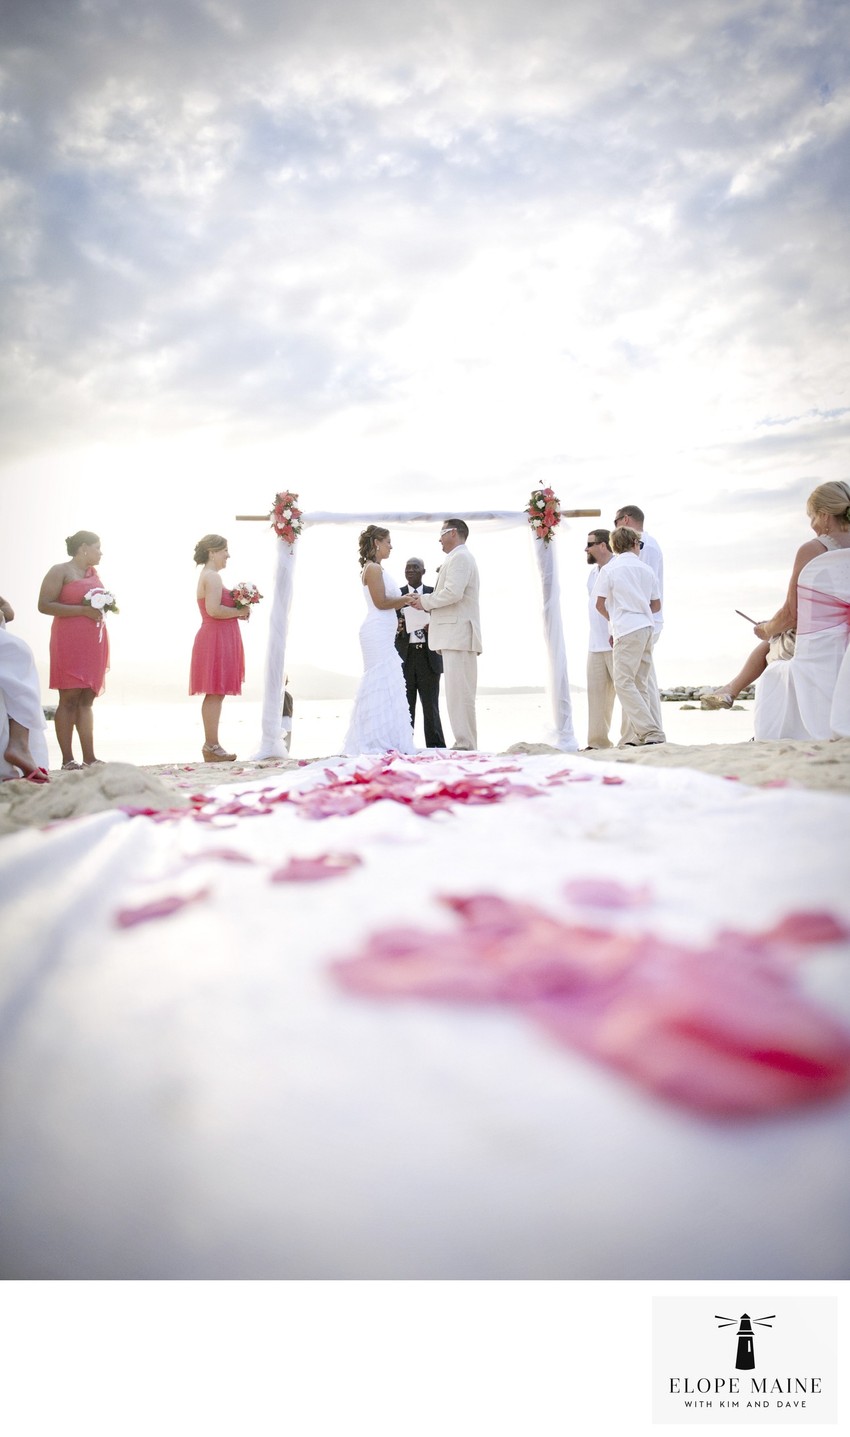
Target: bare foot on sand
{"x":18,"y":750}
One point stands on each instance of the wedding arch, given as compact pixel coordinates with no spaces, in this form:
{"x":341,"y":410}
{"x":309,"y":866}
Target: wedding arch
{"x":541,"y":517}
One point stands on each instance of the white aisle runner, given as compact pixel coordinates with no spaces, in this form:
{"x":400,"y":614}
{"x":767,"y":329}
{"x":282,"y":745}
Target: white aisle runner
{"x":199,"y":1096}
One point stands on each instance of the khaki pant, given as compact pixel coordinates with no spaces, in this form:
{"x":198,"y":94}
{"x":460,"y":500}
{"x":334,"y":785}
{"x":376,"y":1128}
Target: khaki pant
{"x":632,"y":677}
{"x":460,"y":675}
{"x":654,"y":696}
{"x":600,"y":698}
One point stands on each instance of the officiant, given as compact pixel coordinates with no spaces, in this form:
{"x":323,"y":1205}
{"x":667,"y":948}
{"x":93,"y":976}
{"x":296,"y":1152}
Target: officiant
{"x":422,"y":666}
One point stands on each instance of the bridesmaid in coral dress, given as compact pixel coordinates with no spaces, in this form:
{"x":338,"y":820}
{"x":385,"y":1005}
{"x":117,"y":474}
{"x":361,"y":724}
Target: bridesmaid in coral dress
{"x":79,"y":644}
{"x":218,"y":659}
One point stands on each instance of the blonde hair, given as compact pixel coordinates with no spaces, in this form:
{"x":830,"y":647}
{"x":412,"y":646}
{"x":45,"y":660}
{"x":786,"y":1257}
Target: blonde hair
{"x":623,"y":541}
{"x":832,"y":498}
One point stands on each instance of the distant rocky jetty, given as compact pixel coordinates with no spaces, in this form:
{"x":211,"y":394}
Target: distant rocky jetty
{"x":687,"y":694}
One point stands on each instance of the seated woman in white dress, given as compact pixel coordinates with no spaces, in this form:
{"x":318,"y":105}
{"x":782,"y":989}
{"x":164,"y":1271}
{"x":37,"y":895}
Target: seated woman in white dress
{"x":23,"y":745}
{"x":797,"y":699}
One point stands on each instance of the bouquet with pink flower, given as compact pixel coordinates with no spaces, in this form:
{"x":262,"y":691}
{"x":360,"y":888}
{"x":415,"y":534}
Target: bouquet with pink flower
{"x":544,"y":513}
{"x":286,"y":516}
{"x":244,"y":595}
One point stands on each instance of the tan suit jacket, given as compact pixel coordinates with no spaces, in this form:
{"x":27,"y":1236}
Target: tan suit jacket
{"x":453,"y":606}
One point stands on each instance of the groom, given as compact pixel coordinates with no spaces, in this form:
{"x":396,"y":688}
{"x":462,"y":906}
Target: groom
{"x":455,"y":629}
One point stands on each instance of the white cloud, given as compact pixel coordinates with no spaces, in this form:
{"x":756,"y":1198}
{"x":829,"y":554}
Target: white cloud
{"x":456,"y":249}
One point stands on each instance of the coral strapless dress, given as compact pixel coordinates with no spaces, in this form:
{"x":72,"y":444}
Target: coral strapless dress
{"x":218,"y":658}
{"x":79,"y":649}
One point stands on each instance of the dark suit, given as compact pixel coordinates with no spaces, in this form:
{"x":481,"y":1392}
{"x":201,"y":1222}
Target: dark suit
{"x":422,"y":669}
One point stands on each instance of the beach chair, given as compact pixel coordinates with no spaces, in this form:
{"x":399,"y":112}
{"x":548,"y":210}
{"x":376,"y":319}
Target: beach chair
{"x":808,"y":697}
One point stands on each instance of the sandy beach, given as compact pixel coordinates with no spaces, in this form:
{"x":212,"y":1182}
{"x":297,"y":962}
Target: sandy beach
{"x":823,"y":765}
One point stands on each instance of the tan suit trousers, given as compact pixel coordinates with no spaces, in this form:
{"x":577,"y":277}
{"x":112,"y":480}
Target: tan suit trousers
{"x":460,"y":681}
{"x":632,"y":675}
{"x":600,"y":697}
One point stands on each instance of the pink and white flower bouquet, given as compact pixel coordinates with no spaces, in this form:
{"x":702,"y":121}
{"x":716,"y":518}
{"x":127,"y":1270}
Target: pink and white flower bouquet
{"x":244,"y":595}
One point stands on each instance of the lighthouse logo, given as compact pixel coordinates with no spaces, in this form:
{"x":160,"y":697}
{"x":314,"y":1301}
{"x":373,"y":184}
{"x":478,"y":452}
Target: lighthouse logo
{"x":745,"y":1357}
{"x":755,"y":1356}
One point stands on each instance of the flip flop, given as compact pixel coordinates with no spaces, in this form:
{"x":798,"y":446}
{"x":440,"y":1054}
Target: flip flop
{"x":38,"y":775}
{"x":70,"y":765}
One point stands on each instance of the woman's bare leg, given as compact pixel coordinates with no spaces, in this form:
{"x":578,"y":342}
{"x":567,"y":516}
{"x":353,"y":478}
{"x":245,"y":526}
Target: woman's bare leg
{"x":211,"y":715}
{"x":18,"y":748}
{"x":65,"y":721}
{"x":85,"y":724}
{"x":753,"y":669}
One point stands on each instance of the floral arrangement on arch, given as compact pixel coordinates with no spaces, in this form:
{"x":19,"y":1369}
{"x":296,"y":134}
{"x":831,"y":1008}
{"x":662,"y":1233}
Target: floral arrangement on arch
{"x":244,"y":595}
{"x":544,"y":513}
{"x":286,"y":516}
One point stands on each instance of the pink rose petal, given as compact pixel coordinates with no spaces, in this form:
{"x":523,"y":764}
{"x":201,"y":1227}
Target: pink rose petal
{"x":159,"y":908}
{"x":604,"y":893}
{"x":722,"y":1029}
{"x":311,"y":870}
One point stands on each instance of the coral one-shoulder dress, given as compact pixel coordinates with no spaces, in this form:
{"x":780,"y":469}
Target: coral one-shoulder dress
{"x":218,"y":658}
{"x":79,"y":648}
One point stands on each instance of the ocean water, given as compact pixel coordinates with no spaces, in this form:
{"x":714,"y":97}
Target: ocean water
{"x":155,"y":733}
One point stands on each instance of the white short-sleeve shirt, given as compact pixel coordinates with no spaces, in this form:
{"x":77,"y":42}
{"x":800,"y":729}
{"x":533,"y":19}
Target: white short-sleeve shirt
{"x":598,"y":638}
{"x":627,"y":585}
{"x":651,"y":554}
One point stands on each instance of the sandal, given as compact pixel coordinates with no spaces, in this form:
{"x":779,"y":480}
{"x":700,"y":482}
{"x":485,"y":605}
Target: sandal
{"x":214,"y":753}
{"x":70,"y":765}
{"x":717,"y":699}
{"x":38,"y":775}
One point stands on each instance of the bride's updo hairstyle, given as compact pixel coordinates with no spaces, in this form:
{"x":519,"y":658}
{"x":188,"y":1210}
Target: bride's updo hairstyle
{"x":207,"y":546}
{"x":832,"y":498}
{"x":368,"y":539}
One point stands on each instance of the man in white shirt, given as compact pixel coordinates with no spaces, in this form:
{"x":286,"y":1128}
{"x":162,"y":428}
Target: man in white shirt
{"x":629,"y":516}
{"x":600,"y":656}
{"x":627,"y":595}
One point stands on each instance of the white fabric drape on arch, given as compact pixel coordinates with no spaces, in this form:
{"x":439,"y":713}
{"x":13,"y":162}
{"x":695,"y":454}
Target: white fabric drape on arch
{"x":562,"y":736}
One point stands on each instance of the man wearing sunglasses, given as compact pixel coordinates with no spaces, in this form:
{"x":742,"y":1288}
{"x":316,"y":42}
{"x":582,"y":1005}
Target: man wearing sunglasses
{"x":455,"y":630}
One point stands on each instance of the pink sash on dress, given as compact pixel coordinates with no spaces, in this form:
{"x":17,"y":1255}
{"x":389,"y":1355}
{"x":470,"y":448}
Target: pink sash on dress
{"x":817,"y":611}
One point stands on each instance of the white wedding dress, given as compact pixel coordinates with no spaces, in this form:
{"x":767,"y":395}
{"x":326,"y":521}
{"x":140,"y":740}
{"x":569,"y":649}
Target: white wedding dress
{"x":380,"y":720}
{"x":808,"y":697}
{"x":20,"y":699}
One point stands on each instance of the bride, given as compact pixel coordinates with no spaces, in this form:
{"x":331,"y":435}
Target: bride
{"x":380,"y":720}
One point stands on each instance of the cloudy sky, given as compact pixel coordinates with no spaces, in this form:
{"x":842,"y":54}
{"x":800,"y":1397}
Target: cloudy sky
{"x":401,"y":255}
